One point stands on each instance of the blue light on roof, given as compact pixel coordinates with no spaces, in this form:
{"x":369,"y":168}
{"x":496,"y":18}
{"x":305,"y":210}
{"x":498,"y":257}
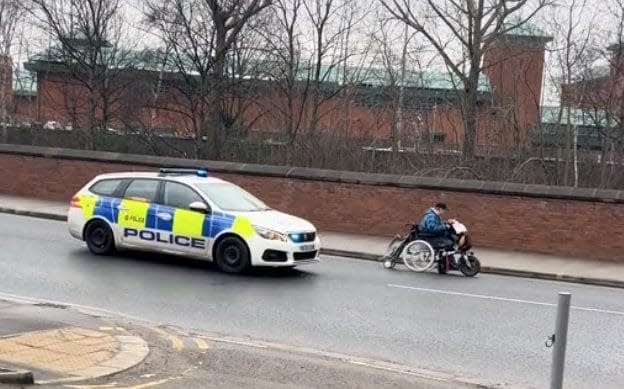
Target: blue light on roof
{"x":202,"y":173}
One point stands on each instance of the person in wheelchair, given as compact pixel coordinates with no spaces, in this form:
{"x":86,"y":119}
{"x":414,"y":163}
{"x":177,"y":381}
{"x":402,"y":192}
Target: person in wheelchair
{"x":434,"y":230}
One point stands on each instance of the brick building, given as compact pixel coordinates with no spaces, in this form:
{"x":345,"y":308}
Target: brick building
{"x":594,"y":103}
{"x":598,"y":88}
{"x":147,"y":93}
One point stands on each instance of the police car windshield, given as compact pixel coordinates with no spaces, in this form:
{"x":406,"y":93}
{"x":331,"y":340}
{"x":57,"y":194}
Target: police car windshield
{"x":230,"y":197}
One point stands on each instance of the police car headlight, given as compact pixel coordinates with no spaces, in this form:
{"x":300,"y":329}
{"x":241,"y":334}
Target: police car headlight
{"x":269,"y":234}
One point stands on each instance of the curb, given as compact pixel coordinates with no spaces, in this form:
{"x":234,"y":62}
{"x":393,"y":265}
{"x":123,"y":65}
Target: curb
{"x":372,"y":257}
{"x":16,"y":377}
{"x":499,"y":271}
{"x":37,"y":214}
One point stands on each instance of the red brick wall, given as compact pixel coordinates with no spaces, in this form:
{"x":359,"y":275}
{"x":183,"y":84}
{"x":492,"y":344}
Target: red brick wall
{"x":547,"y":225}
{"x":515,"y":68}
{"x":24,"y":108}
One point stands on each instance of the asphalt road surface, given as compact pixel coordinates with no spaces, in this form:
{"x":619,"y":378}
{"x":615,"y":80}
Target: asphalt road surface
{"x":488,"y":328}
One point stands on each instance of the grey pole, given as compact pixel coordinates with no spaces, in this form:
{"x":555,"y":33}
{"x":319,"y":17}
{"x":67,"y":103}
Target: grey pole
{"x":559,"y":340}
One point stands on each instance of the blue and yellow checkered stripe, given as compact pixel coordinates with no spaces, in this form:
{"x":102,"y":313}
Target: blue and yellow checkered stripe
{"x":139,"y":214}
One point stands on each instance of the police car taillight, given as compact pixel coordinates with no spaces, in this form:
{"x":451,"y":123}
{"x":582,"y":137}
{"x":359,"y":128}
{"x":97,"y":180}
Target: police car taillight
{"x":75,"y":202}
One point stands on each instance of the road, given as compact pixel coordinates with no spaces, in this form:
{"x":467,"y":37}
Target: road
{"x":489,"y":328}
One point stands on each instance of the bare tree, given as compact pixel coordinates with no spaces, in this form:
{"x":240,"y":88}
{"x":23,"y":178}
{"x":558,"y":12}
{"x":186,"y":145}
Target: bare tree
{"x":570,"y":56}
{"x":315,"y":65}
{"x":475,"y":25}
{"x":11,"y":13}
{"x":88,"y":33}
{"x":200,"y":35}
{"x":603,"y":98}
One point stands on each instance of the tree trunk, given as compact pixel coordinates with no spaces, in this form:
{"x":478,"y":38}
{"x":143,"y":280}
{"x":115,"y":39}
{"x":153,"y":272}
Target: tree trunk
{"x":469,"y":107}
{"x":603,"y":162}
{"x":92,"y":116}
{"x":3,"y":108}
{"x":567,"y":150}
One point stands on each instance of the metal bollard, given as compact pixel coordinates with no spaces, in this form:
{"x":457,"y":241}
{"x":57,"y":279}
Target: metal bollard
{"x":559,"y":340}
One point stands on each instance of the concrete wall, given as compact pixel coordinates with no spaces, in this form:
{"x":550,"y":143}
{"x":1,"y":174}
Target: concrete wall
{"x":557,"y":220}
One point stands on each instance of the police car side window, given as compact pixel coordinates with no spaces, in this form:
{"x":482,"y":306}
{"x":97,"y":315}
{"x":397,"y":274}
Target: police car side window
{"x":142,"y":189}
{"x":179,"y":196}
{"x":106,"y":187}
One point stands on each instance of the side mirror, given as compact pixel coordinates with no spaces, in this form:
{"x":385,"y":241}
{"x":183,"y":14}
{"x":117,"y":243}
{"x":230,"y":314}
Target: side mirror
{"x":199,"y":206}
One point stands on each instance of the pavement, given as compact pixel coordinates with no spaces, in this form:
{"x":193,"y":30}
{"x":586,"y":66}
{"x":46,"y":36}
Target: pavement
{"x":58,"y":346}
{"x":489,"y":329}
{"x":531,"y":265}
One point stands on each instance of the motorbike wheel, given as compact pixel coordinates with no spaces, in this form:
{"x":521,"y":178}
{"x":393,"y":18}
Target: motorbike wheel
{"x":470,"y":266}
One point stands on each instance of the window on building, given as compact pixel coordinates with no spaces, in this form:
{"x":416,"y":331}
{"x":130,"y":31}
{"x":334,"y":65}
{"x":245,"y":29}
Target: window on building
{"x":163,"y":88}
{"x":439,"y":137}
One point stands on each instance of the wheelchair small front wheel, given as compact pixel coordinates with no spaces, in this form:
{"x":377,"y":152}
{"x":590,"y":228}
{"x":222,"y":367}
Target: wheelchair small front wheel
{"x":389,"y":263}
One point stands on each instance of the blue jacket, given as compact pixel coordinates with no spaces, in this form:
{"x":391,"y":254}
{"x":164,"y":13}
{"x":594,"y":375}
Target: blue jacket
{"x":432,"y":224}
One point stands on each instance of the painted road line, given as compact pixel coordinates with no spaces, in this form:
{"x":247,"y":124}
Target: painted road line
{"x":176,"y":343}
{"x":102,"y":386}
{"x":505,"y":299}
{"x":148,"y":384}
{"x":201,"y":344}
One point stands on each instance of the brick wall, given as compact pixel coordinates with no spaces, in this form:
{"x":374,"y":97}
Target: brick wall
{"x":556,"y":220}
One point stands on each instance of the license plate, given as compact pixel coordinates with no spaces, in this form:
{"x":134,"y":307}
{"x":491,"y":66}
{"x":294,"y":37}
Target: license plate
{"x":306,"y":247}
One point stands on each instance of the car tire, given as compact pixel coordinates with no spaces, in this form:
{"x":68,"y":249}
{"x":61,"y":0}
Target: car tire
{"x":232,"y":255}
{"x":99,"y":237}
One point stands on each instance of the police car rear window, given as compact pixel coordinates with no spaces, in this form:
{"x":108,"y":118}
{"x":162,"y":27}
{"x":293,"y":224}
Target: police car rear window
{"x":106,"y":187}
{"x":144,"y":190}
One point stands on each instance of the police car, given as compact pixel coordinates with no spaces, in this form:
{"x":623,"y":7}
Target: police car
{"x":186,"y":212}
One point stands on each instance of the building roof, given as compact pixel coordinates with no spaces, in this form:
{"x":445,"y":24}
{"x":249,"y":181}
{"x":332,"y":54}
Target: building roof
{"x":425,"y":79}
{"x":157,"y":61}
{"x":517,"y":27}
{"x":578,"y":117}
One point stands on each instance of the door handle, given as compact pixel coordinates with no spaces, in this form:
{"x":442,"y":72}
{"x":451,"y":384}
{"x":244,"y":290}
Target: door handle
{"x":164,"y":216}
{"x":122,"y":208}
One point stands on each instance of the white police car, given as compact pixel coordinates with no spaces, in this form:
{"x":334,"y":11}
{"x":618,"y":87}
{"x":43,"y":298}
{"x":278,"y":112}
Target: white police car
{"x":185,"y":212}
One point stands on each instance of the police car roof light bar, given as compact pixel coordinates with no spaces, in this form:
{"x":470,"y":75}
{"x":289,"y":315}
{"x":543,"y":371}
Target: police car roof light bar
{"x":183,"y":171}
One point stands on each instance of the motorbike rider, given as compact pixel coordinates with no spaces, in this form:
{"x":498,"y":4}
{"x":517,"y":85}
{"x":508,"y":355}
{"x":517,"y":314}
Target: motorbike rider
{"x":434,"y":229}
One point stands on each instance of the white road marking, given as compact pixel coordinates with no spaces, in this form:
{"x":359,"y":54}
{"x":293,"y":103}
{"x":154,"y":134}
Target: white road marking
{"x":505,"y":299}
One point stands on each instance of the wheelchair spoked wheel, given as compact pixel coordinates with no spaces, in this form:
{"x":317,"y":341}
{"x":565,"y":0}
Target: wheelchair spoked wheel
{"x":418,"y":256}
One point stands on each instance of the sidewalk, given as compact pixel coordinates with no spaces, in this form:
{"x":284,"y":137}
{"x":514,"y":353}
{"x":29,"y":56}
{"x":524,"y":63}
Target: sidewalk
{"x":56,"y":346}
{"x":372,"y":247}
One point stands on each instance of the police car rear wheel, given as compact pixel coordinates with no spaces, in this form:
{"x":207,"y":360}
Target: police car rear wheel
{"x":99,"y":238}
{"x":232,"y":255}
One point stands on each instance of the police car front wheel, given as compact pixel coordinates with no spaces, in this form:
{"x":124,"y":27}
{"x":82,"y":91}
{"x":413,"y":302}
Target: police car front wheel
{"x":232,"y":255}
{"x":99,"y":238}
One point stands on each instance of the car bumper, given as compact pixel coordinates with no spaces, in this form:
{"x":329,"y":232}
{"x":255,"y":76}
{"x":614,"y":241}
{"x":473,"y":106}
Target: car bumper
{"x":283,"y":254}
{"x":75,"y":223}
